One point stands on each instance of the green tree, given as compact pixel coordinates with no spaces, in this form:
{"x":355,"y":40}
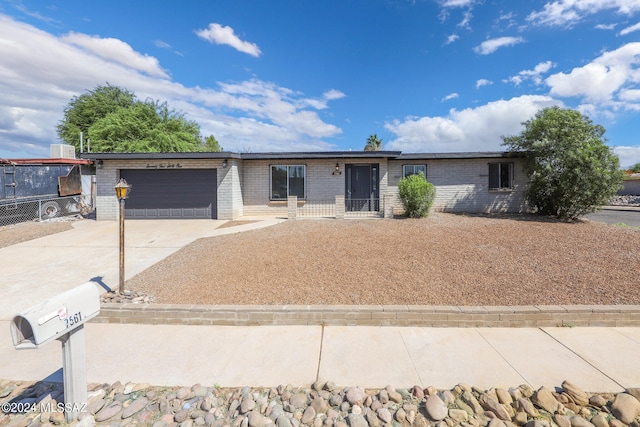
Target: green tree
{"x":373,"y":143}
{"x":84,"y":110}
{"x":635,"y":168}
{"x":145,"y":127}
{"x":211,"y":145}
{"x":417,"y":195}
{"x":571,"y":170}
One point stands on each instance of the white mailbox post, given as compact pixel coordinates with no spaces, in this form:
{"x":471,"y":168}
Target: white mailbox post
{"x":62,"y":318}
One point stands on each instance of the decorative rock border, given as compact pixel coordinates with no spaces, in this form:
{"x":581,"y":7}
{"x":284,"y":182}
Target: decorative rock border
{"x":372,"y":315}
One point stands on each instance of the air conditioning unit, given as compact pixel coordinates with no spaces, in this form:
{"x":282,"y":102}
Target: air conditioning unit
{"x":62,"y":151}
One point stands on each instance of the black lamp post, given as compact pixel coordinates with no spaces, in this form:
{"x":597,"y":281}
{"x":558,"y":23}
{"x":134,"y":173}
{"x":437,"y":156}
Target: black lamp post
{"x":122,"y":192}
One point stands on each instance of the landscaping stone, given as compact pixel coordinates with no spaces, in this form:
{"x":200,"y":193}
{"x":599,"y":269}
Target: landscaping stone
{"x":324,"y":405}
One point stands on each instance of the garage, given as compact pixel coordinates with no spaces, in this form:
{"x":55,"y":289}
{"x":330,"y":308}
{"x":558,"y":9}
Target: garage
{"x":171,"y":193}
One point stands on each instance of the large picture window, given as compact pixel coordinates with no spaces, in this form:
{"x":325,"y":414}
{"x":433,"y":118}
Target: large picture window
{"x":500,"y":176}
{"x":287,"y":180}
{"x":408,"y":170}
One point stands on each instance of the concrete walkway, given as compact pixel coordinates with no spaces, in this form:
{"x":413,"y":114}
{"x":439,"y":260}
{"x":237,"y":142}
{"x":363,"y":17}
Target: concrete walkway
{"x":596,"y":359}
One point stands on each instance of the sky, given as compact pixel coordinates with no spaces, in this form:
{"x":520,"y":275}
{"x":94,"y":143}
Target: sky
{"x":429,"y":76}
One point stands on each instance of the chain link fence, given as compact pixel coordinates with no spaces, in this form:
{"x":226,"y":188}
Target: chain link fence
{"x":13,"y":212}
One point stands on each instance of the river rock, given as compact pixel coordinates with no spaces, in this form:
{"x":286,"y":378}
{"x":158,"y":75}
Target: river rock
{"x":545,"y":399}
{"x":356,"y":420}
{"x":298,"y":400}
{"x":356,"y":395}
{"x":308,"y":415}
{"x":109,"y":412}
{"x":436,"y":408}
{"x":283,"y":421}
{"x":577,"y":421}
{"x":562,"y":420}
{"x":625,"y":407}
{"x":495,"y":422}
{"x":503,"y":396}
{"x":458,"y":415}
{"x":135,"y":407}
{"x":256,"y":419}
{"x":320,"y":405}
{"x":526,"y":406}
{"x":384,"y":415}
{"x":579,"y":397}
{"x":600,"y":420}
{"x":491,"y":405}
{"x":247,"y":404}
{"x":373,"y":419}
{"x":468,"y":398}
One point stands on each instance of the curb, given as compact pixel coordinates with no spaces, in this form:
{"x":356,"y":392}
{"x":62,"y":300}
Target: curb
{"x":372,"y":315}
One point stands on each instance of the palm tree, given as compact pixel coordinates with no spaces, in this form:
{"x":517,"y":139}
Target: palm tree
{"x":373,"y":143}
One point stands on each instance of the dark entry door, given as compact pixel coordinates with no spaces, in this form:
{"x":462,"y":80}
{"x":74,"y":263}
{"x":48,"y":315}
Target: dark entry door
{"x":361,"y":192}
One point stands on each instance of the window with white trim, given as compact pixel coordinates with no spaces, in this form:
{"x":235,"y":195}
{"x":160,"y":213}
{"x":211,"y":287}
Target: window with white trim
{"x":501,"y":176}
{"x":287,"y":180}
{"x":408,"y":170}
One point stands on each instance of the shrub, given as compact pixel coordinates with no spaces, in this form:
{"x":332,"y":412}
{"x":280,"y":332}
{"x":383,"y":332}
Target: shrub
{"x":417,"y":195}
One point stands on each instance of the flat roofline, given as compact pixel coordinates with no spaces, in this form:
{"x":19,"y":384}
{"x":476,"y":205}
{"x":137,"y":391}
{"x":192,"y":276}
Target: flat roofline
{"x":160,"y":156}
{"x":392,"y":155}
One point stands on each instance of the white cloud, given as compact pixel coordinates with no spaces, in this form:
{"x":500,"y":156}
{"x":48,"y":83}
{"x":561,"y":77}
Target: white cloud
{"x":630,"y":29}
{"x":466,"y":20}
{"x":117,"y":51}
{"x":483,"y":82}
{"x":570,"y":12}
{"x":489,"y":46}
{"x":452,"y":38}
{"x":606,"y":27}
{"x":457,"y":3}
{"x":162,"y":44}
{"x":450,"y":96}
{"x":218,"y":34}
{"x":601,"y":80}
{"x":35,"y":85}
{"x":629,"y":155}
{"x":535,"y":75}
{"x":471,"y":129}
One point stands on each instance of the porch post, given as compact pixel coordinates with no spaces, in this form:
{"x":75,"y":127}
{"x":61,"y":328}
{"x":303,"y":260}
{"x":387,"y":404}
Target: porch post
{"x":339,"y":207}
{"x":292,"y":207}
{"x":387,"y":206}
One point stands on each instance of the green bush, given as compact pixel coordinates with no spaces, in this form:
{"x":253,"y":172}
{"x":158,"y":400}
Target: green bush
{"x":417,"y":195}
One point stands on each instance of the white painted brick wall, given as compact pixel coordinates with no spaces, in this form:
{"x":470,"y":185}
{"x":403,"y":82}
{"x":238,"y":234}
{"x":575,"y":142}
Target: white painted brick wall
{"x":462,"y":185}
{"x":321,"y":183}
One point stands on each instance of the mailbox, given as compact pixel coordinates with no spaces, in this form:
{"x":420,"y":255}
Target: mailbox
{"x":55,"y":317}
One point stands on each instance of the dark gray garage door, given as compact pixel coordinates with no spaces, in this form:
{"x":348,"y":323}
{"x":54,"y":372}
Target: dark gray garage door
{"x":173,"y":193}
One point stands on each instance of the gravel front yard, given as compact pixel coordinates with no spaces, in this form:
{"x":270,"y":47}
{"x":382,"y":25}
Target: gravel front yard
{"x":445,"y":259}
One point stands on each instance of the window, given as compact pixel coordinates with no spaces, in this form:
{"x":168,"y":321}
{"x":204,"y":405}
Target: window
{"x":408,"y":170}
{"x":500,"y":176}
{"x":287,"y":181}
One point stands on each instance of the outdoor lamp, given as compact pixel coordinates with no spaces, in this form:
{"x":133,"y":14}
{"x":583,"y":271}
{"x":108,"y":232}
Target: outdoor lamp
{"x":224,"y":163}
{"x":337,"y":171}
{"x":122,"y":189}
{"x":122,"y":192}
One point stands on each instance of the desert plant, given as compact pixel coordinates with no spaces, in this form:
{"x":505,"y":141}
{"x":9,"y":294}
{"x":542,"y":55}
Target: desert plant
{"x":417,"y":195}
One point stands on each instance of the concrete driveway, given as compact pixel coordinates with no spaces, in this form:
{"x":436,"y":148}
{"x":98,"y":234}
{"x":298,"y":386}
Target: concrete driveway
{"x":39,"y":269}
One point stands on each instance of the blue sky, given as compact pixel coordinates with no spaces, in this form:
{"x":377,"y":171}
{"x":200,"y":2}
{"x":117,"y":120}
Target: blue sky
{"x":302,"y":75}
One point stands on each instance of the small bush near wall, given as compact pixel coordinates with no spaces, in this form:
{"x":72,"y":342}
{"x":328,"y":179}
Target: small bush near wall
{"x":417,"y":195}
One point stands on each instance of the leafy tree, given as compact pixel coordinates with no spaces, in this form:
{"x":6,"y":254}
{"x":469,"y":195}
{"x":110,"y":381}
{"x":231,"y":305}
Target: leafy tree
{"x":571,"y":170}
{"x":145,"y":127}
{"x":84,"y":110}
{"x":115,"y":121}
{"x":373,"y":143}
{"x":417,"y":195}
{"x":211,"y":145}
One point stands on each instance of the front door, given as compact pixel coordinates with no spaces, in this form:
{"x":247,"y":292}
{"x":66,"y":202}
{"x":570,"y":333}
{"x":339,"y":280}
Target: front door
{"x":361,"y":187}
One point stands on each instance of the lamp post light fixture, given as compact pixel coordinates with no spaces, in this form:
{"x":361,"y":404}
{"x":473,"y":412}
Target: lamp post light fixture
{"x":122,"y":192}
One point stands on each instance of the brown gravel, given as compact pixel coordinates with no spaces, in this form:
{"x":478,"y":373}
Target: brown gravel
{"x":445,"y":259}
{"x":25,"y":231}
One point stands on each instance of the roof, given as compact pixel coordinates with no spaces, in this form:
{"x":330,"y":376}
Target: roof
{"x":160,"y":156}
{"x":48,"y":161}
{"x":394,"y":155}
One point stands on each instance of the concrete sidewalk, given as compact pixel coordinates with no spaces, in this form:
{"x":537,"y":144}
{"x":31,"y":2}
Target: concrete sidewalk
{"x":596,"y":359}
{"x":39,"y":269}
